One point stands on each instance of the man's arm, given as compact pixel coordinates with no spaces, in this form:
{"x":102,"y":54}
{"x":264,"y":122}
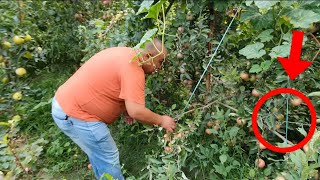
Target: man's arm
{"x":146,"y":116}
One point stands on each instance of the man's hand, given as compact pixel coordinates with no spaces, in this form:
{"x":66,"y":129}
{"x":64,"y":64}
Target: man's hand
{"x":168,"y":123}
{"x":106,"y":2}
{"x":129,"y":120}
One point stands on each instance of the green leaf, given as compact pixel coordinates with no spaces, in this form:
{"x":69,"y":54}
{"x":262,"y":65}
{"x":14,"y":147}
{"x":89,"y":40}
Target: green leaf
{"x":270,"y":123}
{"x":249,"y":14}
{"x":213,"y":131}
{"x":223,"y":158}
{"x":252,"y":173}
{"x":255,"y":69}
{"x":298,"y":158}
{"x":249,"y":2}
{"x":253,"y":51}
{"x":51,"y":12}
{"x":233,"y":131}
{"x":302,"y":131}
{"x":144,"y":6}
{"x":310,"y":4}
{"x":316,"y":10}
{"x":41,"y":104}
{"x":314,"y":166}
{"x":106,"y":175}
{"x":265,"y":4}
{"x":5,"y":165}
{"x":184,"y":4}
{"x":220,"y":169}
{"x":286,"y":3}
{"x":98,"y":23}
{"x":266,"y":65}
{"x":236,"y":163}
{"x":155,"y":161}
{"x":260,"y":123}
{"x":282,"y":51}
{"x":188,"y":149}
{"x":221,"y":6}
{"x":259,"y":21}
{"x":154,"y":10}
{"x":314,"y":143}
{"x":147,"y":37}
{"x":266,"y":36}
{"x":5,"y":138}
{"x":267,"y":171}
{"x":67,"y":144}
{"x":317,"y":93}
{"x":290,"y":176}
{"x":301,"y":18}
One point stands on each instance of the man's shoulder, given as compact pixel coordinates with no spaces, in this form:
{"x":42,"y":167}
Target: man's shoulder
{"x":119,"y":49}
{"x":124,"y":56}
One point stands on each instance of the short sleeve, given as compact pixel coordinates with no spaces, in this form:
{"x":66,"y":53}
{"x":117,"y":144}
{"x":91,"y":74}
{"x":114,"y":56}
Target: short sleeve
{"x":132,"y":84}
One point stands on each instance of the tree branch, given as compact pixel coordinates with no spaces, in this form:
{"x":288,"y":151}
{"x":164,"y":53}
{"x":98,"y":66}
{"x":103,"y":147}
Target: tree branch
{"x":187,"y":112}
{"x":281,"y":137}
{"x":227,"y":106}
{"x":212,"y":24}
{"x":314,"y":58}
{"x":315,"y":38}
{"x":203,"y":107}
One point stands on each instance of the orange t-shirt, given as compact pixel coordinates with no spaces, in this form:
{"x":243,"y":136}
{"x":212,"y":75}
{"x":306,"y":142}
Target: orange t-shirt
{"x":99,"y":87}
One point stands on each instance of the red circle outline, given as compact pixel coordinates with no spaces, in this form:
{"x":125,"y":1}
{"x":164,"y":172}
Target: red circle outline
{"x":268,"y":95}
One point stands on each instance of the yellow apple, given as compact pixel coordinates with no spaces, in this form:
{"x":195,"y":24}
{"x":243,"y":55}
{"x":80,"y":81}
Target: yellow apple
{"x":21,"y":72}
{"x":18,"y":40}
{"x":17,"y":96}
{"x":27,"y":38}
{"x":6,"y":45}
{"x":28,"y":55}
{"x":5,"y":80}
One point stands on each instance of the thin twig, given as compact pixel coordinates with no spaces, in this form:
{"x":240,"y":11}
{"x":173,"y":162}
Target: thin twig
{"x":314,"y":58}
{"x":281,"y":137}
{"x":301,"y":124}
{"x":227,"y":106}
{"x":202,"y":107}
{"x":315,"y":38}
{"x":12,"y":149}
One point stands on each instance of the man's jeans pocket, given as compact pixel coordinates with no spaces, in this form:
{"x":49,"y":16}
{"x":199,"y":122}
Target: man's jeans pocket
{"x":59,"y":117}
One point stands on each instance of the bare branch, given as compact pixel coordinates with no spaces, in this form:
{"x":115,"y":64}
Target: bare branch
{"x":314,"y":58}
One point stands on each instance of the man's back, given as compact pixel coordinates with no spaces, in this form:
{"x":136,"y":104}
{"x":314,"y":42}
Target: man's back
{"x":96,"y":91}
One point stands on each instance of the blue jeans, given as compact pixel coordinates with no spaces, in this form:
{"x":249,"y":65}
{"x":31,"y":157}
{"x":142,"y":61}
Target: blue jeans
{"x":94,"y":139}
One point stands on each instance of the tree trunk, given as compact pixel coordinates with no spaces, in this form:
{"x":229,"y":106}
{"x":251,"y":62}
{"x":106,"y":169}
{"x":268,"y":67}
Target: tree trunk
{"x":210,"y":35}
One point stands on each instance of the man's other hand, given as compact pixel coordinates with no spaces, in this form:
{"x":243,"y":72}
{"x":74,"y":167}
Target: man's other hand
{"x":129,"y":120}
{"x":106,"y":2}
{"x":168,"y":123}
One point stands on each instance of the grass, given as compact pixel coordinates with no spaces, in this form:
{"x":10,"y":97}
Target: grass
{"x":133,"y":148}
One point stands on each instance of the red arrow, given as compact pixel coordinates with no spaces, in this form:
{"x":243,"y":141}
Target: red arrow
{"x":294,"y":65}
